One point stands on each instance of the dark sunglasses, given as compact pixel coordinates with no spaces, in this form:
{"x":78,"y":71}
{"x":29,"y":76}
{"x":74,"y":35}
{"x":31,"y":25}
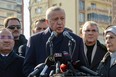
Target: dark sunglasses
{"x":14,"y":26}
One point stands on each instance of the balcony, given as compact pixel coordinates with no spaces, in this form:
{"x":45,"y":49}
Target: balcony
{"x":99,"y":10}
{"x":102,"y":1}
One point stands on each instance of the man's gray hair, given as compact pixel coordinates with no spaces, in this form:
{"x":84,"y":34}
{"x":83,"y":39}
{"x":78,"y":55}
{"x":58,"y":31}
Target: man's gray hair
{"x":53,"y":8}
{"x":92,"y":23}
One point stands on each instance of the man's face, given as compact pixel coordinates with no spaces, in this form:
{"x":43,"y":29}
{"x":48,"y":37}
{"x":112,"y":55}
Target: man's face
{"x":15,"y":27}
{"x":6,"y":42}
{"x":40,"y":27}
{"x":57,"y":21}
{"x":90,"y":34}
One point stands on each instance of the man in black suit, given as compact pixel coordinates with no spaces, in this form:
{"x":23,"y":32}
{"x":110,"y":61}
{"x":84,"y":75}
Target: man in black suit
{"x":93,"y":49}
{"x":10,"y":63}
{"x":38,"y":26}
{"x":38,"y":50}
{"x":14,"y":25}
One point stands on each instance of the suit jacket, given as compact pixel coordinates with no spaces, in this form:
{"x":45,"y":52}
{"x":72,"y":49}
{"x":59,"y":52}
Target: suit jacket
{"x":22,"y":40}
{"x":104,"y":67}
{"x":11,"y":66}
{"x":37,"y":51}
{"x":100,"y":52}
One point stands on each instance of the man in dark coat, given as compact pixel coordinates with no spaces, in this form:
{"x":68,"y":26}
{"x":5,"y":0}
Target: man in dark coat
{"x":38,"y":50}
{"x":10,"y":63}
{"x":107,"y":67}
{"x":39,"y":25}
{"x":14,"y":25}
{"x":93,"y":49}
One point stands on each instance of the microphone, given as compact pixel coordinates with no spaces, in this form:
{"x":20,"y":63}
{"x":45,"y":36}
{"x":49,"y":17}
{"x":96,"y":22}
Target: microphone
{"x":48,"y":62}
{"x":63,"y":67}
{"x":57,"y":67}
{"x":51,"y":73}
{"x":37,"y":69}
{"x":58,"y":59}
{"x":52,"y":68}
{"x":65,"y":33}
{"x":67,"y":57}
{"x":85,"y":69}
{"x":53,"y":34}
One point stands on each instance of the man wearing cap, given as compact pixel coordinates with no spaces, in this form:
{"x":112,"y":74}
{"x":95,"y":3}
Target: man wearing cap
{"x":107,"y":66}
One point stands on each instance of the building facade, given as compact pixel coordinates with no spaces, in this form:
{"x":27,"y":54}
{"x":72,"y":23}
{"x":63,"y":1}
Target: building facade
{"x":77,"y":12}
{"x":11,"y":8}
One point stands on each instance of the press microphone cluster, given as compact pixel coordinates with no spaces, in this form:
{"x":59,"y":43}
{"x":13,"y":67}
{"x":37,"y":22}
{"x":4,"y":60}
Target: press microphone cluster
{"x":51,"y":61}
{"x":42,"y":67}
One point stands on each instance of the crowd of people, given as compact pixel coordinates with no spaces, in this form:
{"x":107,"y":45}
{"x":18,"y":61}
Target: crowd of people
{"x":54,"y":44}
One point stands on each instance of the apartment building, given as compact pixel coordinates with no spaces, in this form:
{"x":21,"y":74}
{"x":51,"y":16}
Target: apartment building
{"x":11,"y":8}
{"x":77,"y":12}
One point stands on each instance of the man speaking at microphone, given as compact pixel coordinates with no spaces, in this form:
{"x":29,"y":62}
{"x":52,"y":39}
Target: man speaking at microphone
{"x":51,"y":41}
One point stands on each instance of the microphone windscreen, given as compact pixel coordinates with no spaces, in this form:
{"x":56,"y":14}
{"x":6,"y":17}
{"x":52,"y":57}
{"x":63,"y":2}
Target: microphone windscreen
{"x":50,"y":60}
{"x":63,"y":68}
{"x":55,"y":33}
{"x":65,"y":33}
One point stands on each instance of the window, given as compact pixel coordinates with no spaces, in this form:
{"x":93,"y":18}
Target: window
{"x":82,"y":17}
{"x":81,"y":5}
{"x":39,"y":10}
{"x":10,"y":14}
{"x":93,"y":5}
{"x":38,"y":0}
{"x":19,"y":1}
{"x":9,"y":6}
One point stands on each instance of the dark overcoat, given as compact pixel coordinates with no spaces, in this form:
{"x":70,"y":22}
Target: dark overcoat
{"x":105,"y":69}
{"x":11,"y":66}
{"x":37,"y":50}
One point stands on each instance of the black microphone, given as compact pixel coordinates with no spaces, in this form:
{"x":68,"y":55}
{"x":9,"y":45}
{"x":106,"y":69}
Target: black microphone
{"x":52,"y":70}
{"x":50,"y":60}
{"x":58,"y":60}
{"x":37,"y":70}
{"x":51,"y":73}
{"x":67,"y":58}
{"x":53,"y":34}
{"x":65,"y":33}
{"x":85,"y":69}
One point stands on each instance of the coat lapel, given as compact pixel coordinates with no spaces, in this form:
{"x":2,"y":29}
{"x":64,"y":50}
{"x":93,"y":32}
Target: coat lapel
{"x":10,"y":59}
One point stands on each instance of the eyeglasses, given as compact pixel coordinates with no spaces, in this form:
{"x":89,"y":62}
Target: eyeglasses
{"x":14,"y":26}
